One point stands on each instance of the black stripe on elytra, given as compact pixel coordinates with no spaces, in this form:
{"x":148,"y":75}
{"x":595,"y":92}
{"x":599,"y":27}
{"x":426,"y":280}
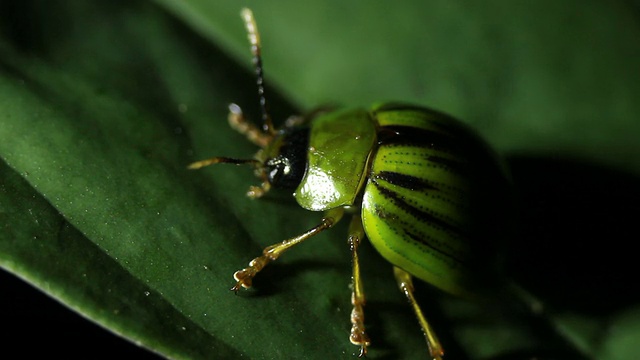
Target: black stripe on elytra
{"x":405,"y":181}
{"x":444,"y":121}
{"x":382,"y":214}
{"x":421,"y":240}
{"x":460,"y":167}
{"x":413,"y":136}
{"x":414,"y":211}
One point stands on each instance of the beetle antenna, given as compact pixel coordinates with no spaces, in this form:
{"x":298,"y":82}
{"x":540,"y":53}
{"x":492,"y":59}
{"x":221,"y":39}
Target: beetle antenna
{"x":254,"y":40}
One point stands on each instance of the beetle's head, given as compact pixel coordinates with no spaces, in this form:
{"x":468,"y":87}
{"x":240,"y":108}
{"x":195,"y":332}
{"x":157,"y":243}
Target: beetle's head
{"x":280,"y":163}
{"x":282,"y":159}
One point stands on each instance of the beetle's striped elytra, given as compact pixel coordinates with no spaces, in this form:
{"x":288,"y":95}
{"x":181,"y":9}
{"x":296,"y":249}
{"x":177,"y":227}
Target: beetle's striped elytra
{"x":426,"y":187}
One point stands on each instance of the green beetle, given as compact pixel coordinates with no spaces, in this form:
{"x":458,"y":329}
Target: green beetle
{"x":425,"y":190}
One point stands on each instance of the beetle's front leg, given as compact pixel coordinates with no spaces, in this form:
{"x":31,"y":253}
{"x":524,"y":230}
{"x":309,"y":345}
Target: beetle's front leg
{"x":245,"y":276}
{"x":358,"y":335}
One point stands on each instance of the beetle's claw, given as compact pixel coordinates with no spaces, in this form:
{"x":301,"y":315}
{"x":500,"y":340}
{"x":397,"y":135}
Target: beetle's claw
{"x":245,"y":276}
{"x":359,"y":337}
{"x":236,"y":287}
{"x":241,"y":281}
{"x":363,"y":351}
{"x":244,"y":279}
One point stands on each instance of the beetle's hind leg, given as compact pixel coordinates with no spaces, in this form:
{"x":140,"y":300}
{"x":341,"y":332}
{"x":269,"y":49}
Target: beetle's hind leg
{"x":358,"y":335}
{"x":406,"y":286}
{"x":245,"y":276}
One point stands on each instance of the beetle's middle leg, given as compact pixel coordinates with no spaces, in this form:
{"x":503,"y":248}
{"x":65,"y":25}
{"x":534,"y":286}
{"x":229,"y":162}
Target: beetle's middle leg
{"x":358,"y":335}
{"x":245,"y":276}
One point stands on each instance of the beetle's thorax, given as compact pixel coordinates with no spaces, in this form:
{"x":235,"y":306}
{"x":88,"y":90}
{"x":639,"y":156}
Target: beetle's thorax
{"x":339,"y":145}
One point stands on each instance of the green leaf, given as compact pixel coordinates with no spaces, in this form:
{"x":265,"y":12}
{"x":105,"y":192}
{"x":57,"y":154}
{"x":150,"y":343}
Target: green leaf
{"x":103,"y":104}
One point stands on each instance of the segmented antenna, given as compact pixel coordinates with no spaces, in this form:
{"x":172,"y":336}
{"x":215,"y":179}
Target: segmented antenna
{"x":254,"y":40}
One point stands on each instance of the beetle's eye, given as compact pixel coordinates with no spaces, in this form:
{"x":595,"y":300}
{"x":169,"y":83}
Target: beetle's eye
{"x":286,"y":169}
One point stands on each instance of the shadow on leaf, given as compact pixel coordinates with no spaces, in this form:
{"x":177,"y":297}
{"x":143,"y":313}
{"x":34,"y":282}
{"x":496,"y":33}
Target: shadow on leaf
{"x":576,"y":249}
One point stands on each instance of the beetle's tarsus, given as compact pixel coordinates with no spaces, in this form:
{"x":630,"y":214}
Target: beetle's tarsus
{"x":256,"y":192}
{"x":245,"y":276}
{"x":358,"y":335}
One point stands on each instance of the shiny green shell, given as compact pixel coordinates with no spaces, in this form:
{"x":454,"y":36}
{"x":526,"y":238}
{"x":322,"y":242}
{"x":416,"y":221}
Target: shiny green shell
{"x":433,"y":196}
